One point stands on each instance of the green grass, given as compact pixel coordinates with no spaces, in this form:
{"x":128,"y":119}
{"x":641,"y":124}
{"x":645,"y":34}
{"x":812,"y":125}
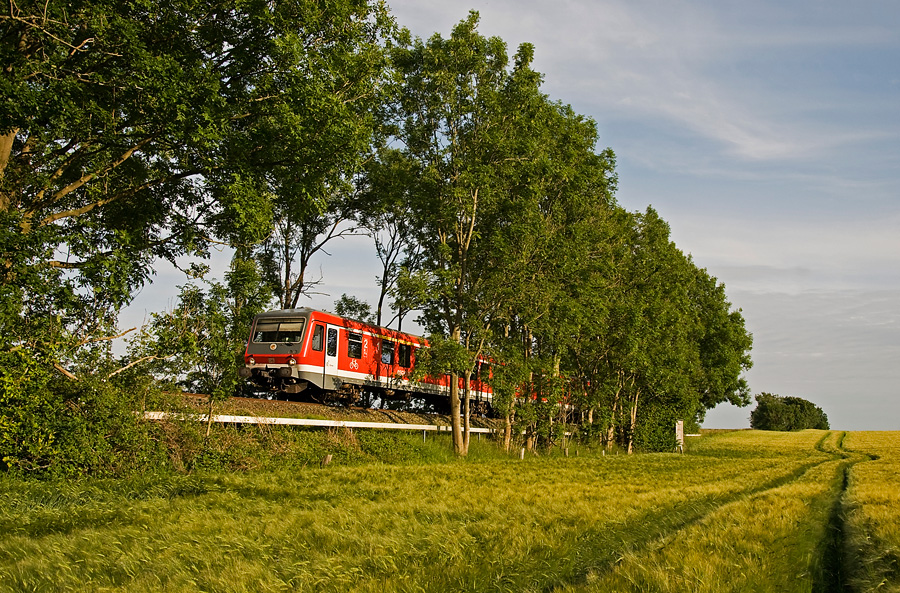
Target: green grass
{"x":740,"y":511}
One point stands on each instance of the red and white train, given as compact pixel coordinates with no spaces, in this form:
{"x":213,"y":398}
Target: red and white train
{"x":333,"y":358}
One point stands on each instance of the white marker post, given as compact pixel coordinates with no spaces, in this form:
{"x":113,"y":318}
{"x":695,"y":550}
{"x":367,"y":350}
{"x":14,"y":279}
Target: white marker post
{"x":679,"y":436}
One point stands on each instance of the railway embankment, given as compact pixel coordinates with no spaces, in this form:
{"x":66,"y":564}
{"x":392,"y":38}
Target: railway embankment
{"x":266,"y":408}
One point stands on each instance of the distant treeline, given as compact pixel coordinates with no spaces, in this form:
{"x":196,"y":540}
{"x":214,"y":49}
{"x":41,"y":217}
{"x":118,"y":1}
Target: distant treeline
{"x":774,"y":412}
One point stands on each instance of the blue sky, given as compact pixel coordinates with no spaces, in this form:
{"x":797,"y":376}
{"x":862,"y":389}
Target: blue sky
{"x":768,"y":135}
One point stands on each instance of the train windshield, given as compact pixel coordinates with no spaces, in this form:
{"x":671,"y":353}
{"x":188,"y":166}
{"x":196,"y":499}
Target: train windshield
{"x":285,"y":331}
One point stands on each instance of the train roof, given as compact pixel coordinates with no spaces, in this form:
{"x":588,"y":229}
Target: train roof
{"x":309,"y":311}
{"x":287,"y":312}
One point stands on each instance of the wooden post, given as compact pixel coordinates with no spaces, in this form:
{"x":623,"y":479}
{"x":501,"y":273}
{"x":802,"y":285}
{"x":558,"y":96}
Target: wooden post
{"x":679,"y":436}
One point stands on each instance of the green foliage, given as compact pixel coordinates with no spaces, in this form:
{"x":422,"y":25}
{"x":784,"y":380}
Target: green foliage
{"x":383,"y":211}
{"x":305,"y":153}
{"x":656,"y":335}
{"x":655,"y":429}
{"x":51,"y":426}
{"x":202,"y":339}
{"x":354,"y":308}
{"x":442,"y":357}
{"x":85,"y":420}
{"x":506,"y":381}
{"x":26,"y":440}
{"x":488,"y":154}
{"x":520,"y":237}
{"x":136,"y":131}
{"x":774,"y":412}
{"x":148,"y":130}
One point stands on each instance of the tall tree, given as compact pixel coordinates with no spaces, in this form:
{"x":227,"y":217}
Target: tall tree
{"x":553,"y":246}
{"x":669,"y":346}
{"x":474,"y":129}
{"x":509,"y":195}
{"x":306,"y":153}
{"x":384,"y":212}
{"x":724,"y":345}
{"x":144,"y":130}
{"x":302,"y":229}
{"x":457,"y":130}
{"x":131,"y":131}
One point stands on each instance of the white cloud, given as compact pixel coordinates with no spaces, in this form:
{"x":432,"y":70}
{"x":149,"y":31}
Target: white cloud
{"x":679,"y":62}
{"x":787,"y":254}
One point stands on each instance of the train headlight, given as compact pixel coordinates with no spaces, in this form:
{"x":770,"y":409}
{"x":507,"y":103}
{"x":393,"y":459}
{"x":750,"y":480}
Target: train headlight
{"x":251,"y":360}
{"x":292,"y":362}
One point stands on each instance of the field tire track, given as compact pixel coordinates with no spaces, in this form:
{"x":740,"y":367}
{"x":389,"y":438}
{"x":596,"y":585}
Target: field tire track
{"x":840,"y":564}
{"x":665,"y":526}
{"x":833,"y":578}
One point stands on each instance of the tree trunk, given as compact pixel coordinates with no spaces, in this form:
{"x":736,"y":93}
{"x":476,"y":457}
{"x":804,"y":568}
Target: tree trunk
{"x":379,"y":308}
{"x":455,"y":425}
{"x":466,"y":414}
{"x":564,"y":418}
{"x":6,"y":144}
{"x":633,"y":425}
{"x":298,"y":287}
{"x":558,"y":395}
{"x":209,"y":416}
{"x":507,"y":431}
{"x":611,"y":431}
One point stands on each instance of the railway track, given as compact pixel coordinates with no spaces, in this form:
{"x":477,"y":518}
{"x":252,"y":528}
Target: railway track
{"x":265,"y":408}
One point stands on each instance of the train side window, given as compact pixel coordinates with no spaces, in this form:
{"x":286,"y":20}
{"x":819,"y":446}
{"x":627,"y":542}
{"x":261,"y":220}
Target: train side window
{"x":405,"y":355}
{"x":318,"y":339}
{"x":331,"y":344}
{"x":387,"y":352}
{"x":354,"y":345}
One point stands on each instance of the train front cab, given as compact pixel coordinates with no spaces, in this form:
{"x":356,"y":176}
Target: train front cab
{"x":275,"y":354}
{"x":294,"y":350}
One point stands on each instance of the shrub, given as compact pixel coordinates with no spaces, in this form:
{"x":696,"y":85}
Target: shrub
{"x":57,"y":427}
{"x":655,"y":430}
{"x":774,"y":412}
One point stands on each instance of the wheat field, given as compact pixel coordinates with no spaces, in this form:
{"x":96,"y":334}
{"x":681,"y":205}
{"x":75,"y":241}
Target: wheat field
{"x":739,"y":511}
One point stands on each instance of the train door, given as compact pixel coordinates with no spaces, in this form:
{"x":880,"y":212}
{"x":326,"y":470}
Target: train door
{"x":331,"y":354}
